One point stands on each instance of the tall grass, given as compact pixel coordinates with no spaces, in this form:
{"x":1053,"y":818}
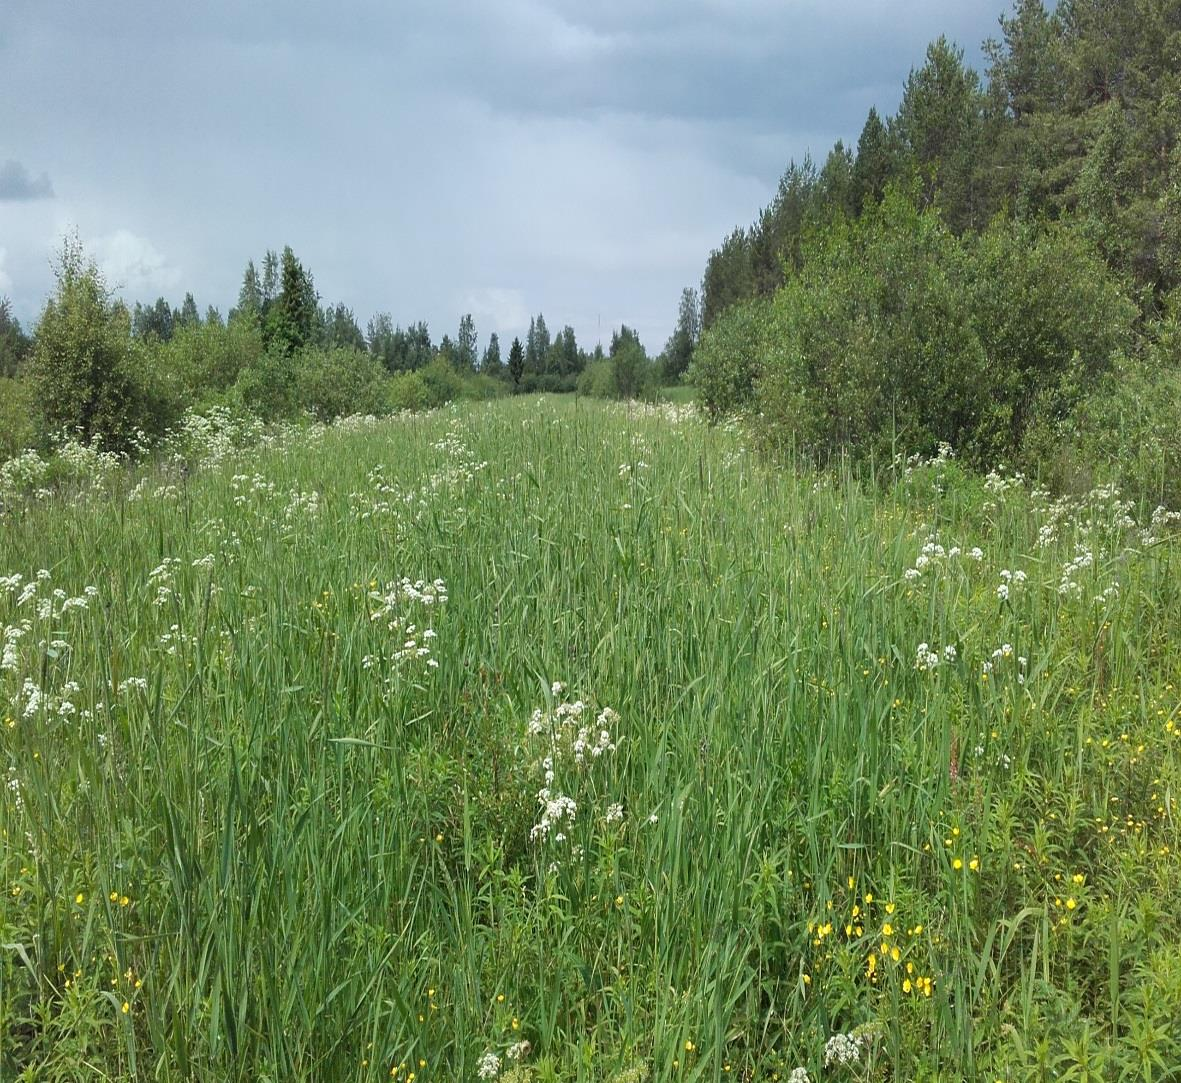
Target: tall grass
{"x":252,"y":832}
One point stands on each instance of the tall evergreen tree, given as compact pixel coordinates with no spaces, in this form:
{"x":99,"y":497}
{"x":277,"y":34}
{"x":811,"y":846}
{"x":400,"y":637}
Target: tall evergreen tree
{"x":187,"y":315}
{"x":678,"y":352}
{"x":291,"y":319}
{"x":516,"y":361}
{"x":467,"y":345}
{"x":491,"y":363}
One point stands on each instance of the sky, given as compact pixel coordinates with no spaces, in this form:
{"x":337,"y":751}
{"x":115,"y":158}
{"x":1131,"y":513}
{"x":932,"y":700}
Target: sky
{"x":429,"y":158}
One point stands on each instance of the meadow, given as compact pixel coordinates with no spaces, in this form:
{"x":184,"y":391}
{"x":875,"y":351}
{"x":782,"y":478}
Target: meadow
{"x":552,"y":739}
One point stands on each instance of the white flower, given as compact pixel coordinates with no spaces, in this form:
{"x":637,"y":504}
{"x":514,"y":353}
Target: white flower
{"x":976,"y":553}
{"x":614,"y":813}
{"x":842,"y":1049}
{"x":489,"y":1066}
{"x":949,"y":653}
{"x":799,"y":1075}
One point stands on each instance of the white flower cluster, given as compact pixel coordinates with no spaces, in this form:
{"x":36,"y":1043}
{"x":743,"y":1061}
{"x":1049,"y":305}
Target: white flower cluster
{"x":163,"y":578}
{"x":570,"y":741}
{"x":489,"y":1066}
{"x":843,"y":1049}
{"x":799,"y":1075}
{"x":927,"y":659}
{"x":1003,"y":654}
{"x":1009,"y":582}
{"x":414,"y":643}
{"x":1162,"y":519}
{"x":1083,"y":558}
{"x":934,"y":555}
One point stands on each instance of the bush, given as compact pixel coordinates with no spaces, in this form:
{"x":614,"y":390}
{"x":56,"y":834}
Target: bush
{"x":17,"y":430}
{"x":598,"y":380}
{"x":333,"y":382}
{"x":90,"y":380}
{"x":481,"y":387}
{"x":267,"y":388}
{"x":896,"y":335}
{"x":1126,"y":430}
{"x":406,"y":391}
{"x":206,"y":359}
{"x":442,"y":382}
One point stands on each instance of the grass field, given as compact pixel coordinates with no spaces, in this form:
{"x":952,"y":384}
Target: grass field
{"x":557,"y":740}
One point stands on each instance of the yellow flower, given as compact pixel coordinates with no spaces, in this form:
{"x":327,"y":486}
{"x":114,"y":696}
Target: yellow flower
{"x":888,"y":929}
{"x":957,"y":864}
{"x":974,"y":864}
{"x":1070,"y":903}
{"x":689,"y":1047}
{"x":79,"y":898}
{"x":126,"y":1007}
{"x":906,"y":986}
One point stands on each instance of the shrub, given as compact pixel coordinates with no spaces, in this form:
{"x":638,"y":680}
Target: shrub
{"x":896,"y":335}
{"x":267,"y":387}
{"x":89,"y":379}
{"x":1126,"y":430}
{"x":406,"y":391}
{"x":442,"y":382}
{"x":598,"y":380}
{"x":17,"y":430}
{"x":333,"y":382}
{"x":206,"y":359}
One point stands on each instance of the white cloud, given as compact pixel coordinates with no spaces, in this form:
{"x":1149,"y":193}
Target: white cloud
{"x":504,"y":310}
{"x":132,"y":263}
{"x":5,"y":279}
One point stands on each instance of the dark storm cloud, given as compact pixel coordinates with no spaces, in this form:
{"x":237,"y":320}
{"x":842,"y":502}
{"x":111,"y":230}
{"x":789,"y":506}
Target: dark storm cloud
{"x":429,"y":156}
{"x":17,"y":183}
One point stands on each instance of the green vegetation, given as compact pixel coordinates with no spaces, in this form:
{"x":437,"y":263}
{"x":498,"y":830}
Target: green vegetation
{"x":824,"y":775}
{"x":980,"y":267}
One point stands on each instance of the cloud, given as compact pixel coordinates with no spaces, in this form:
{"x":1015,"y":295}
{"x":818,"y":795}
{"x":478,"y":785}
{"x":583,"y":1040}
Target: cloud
{"x":5,"y":279}
{"x":132,"y":264}
{"x":503,"y":309}
{"x":17,"y":183}
{"x":434,"y":157}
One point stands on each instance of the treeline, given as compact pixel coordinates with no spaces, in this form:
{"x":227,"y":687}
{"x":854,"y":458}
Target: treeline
{"x":97,"y":371}
{"x":993,"y":266}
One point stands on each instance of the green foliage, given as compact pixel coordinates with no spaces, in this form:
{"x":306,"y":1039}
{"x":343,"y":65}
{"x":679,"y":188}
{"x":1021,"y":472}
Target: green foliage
{"x":290,"y":322}
{"x":14,"y":343}
{"x":897,"y":336}
{"x":267,"y":387}
{"x":598,"y":380}
{"x":332,"y":382}
{"x":90,"y":379}
{"x":202,"y":361}
{"x":1126,"y":430}
{"x":678,"y":351}
{"x":17,"y":411}
{"x":516,"y":361}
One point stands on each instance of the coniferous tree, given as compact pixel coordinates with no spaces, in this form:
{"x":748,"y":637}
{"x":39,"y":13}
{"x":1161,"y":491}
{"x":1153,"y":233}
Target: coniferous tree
{"x":679,"y":350}
{"x":467,"y":345}
{"x":292,"y":317}
{"x":188,"y":316}
{"x":157,"y":320}
{"x":876,"y":162}
{"x":491,"y":362}
{"x":516,"y":361}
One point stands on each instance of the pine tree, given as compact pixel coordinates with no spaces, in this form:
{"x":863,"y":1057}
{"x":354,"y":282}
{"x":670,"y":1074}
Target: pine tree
{"x":516,"y":361}
{"x":291,"y":320}
{"x":467,"y":345}
{"x":491,"y":363}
